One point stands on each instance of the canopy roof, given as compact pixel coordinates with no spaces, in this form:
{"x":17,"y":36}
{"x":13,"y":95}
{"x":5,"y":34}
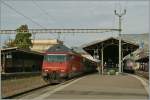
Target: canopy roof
{"x":127,"y":46}
{"x":16,"y":49}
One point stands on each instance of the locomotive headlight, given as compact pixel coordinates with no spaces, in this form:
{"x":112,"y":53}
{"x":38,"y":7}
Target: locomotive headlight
{"x":46,"y":70}
{"x":62,"y":70}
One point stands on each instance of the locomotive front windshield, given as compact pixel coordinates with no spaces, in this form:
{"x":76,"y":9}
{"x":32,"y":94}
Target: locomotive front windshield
{"x":55,"y":58}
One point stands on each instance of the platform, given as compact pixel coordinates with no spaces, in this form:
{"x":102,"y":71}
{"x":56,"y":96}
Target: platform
{"x":96,"y":86}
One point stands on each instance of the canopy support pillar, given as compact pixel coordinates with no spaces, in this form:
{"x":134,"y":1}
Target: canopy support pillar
{"x":102,"y":60}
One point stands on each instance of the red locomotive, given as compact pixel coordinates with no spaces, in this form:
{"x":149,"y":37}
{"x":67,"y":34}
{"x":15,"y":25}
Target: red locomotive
{"x":62,"y":63}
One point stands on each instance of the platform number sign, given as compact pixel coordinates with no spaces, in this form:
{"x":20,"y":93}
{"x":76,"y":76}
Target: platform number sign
{"x":8,"y":56}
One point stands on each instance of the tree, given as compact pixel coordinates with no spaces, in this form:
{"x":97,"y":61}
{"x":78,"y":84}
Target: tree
{"x":23,"y":37}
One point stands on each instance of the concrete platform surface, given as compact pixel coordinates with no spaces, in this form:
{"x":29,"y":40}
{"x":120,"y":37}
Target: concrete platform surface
{"x":99,"y":87}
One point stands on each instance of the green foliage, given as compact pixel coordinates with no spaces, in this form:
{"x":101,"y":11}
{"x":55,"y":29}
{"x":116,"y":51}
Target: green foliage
{"x":23,"y":37}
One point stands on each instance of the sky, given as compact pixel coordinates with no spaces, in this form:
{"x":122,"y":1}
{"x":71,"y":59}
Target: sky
{"x":75,"y":14}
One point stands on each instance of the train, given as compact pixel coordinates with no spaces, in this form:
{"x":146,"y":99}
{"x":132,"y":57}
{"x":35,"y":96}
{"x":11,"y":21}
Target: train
{"x":129,"y":66}
{"x":61,"y":63}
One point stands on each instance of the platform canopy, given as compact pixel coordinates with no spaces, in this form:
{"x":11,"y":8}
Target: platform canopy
{"x":110,"y":47}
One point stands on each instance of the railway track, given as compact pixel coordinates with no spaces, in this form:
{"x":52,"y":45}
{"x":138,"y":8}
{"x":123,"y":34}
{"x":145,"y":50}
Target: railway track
{"x":18,"y":75}
{"x":142,"y":74}
{"x":25,"y":93}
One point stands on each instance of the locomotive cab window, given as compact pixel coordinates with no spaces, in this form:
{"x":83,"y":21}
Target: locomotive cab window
{"x":69,"y":57}
{"x":55,"y":58}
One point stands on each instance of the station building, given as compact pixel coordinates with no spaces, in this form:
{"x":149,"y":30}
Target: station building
{"x":43,"y":45}
{"x":19,"y":60}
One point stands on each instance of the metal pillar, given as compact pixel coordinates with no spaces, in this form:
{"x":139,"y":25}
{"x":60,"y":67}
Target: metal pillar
{"x":96,"y":56}
{"x":98,"y":68}
{"x":120,"y":15}
{"x":122,"y":61}
{"x":102,"y":61}
{"x":58,"y":37}
{"x":120,"y":45}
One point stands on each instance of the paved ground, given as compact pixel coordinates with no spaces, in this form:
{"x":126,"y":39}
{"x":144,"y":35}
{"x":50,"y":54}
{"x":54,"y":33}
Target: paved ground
{"x":95,"y":87}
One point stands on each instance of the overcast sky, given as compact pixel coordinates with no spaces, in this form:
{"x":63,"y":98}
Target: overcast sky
{"x":76,"y":14}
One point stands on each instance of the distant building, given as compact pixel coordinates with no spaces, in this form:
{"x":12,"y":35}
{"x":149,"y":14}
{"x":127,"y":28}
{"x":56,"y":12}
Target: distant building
{"x":43,"y":45}
{"x":141,"y":55}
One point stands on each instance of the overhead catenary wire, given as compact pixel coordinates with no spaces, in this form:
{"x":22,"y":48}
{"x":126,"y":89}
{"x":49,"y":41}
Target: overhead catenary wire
{"x":114,"y":18}
{"x":43,"y":10}
{"x":27,"y":16}
{"x":126,"y":5}
{"x":125,"y":23}
{"x":120,"y":6}
{"x":45,"y":13}
{"x":61,"y":30}
{"x":14,"y":9}
{"x":9,"y":6}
